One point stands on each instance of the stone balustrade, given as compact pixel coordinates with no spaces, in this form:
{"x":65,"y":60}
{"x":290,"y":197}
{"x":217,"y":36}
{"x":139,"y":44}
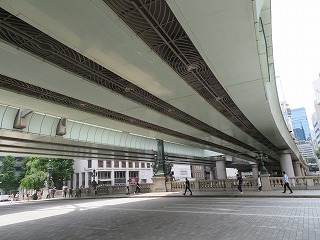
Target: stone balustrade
{"x":249,"y":184}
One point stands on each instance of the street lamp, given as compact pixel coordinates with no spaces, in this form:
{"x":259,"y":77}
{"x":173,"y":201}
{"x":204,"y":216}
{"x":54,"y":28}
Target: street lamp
{"x":263,"y":169}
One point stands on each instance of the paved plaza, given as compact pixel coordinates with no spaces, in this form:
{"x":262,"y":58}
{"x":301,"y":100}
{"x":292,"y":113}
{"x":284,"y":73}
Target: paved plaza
{"x":145,"y":218}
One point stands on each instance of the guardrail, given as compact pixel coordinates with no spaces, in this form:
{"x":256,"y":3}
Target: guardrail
{"x":249,"y":184}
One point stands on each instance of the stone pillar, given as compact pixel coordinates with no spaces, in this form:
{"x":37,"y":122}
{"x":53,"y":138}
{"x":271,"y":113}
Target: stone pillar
{"x":255,"y":171}
{"x":221,"y":168}
{"x":159,"y":184}
{"x":297,"y":169}
{"x":286,"y":163}
{"x":265,"y":182}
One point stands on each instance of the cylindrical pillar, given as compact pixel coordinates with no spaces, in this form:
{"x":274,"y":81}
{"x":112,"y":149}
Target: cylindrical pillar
{"x":255,"y":171}
{"x":221,"y":168}
{"x":297,"y":169}
{"x":286,"y":163}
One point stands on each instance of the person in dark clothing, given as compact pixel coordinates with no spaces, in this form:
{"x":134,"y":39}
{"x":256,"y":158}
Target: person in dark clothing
{"x":286,"y":182}
{"x":137,"y":188}
{"x":187,"y":187}
{"x":239,"y":182}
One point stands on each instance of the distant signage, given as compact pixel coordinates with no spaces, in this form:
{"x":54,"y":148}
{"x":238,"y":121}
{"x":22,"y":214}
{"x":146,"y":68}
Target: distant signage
{"x":133,"y":180}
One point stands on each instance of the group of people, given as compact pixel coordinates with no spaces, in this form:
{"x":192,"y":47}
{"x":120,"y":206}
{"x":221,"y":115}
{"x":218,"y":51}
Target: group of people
{"x":70,"y":191}
{"x":285,"y":183}
{"x":137,"y":189}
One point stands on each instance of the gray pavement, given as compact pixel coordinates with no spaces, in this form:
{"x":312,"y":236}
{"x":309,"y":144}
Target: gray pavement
{"x":205,"y":215}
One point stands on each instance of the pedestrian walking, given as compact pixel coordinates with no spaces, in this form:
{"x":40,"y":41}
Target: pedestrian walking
{"x":187,"y":187}
{"x":95,"y":191}
{"x":70,"y":192}
{"x":128,"y":188}
{"x":53,"y":191}
{"x":259,"y":184}
{"x":137,"y":188}
{"x":286,"y":183}
{"x":239,"y":182}
{"x":65,"y":191}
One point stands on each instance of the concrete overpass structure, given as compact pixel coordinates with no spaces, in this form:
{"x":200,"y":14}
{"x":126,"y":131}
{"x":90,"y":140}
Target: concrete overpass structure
{"x":195,"y":73}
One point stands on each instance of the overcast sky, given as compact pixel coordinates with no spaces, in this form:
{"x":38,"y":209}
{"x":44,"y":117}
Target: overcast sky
{"x":296,"y":50}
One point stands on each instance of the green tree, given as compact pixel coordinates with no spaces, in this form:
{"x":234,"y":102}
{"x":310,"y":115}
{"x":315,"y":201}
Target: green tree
{"x":318,"y":152}
{"x":9,"y":177}
{"x":62,"y":169}
{"x":311,"y":160}
{"x":36,"y":172}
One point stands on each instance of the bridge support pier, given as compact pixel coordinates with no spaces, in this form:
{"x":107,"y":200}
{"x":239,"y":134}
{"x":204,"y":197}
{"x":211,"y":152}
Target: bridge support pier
{"x":286,"y":163}
{"x":221,"y":168}
{"x":297,"y":169}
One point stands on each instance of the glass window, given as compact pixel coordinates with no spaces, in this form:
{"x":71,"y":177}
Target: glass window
{"x":116,"y":164}
{"x":133,"y":174}
{"x":120,"y":177}
{"x":77,"y":179}
{"x":89,"y":178}
{"x":143,"y":165}
{"x":148,"y":165}
{"x":108,"y":164}
{"x":89,"y":163}
{"x":100,"y":164}
{"x":130,"y":164}
{"x":83,"y":179}
{"x":104,"y":175}
{"x":123,"y":164}
{"x":136,"y":164}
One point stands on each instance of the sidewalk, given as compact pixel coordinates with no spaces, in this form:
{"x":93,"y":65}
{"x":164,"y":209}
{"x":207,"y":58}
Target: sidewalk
{"x":246,"y":194}
{"x":212,"y":194}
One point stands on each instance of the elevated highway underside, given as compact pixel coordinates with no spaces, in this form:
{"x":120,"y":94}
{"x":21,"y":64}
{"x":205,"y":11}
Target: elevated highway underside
{"x":194,"y":73}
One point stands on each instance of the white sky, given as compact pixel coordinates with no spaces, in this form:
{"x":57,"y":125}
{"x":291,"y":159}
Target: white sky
{"x":296,"y":50}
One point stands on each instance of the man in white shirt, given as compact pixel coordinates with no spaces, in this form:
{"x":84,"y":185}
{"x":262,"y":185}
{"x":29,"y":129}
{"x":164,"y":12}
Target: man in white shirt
{"x":286,"y":182}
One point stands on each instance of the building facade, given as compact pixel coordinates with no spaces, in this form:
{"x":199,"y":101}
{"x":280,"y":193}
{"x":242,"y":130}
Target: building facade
{"x":300,"y":124}
{"x":110,"y":172}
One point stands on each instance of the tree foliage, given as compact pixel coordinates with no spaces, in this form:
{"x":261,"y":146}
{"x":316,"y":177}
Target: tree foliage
{"x":318,"y":152}
{"x":9,"y":177}
{"x":36,"y":172}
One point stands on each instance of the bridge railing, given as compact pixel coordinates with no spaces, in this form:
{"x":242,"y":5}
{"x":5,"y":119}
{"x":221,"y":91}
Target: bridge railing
{"x":249,"y":184}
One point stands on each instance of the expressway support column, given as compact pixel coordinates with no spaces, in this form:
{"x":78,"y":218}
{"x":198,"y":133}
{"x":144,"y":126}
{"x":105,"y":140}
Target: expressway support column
{"x":297,"y":169}
{"x":222,"y":172}
{"x":221,"y":168}
{"x":286,"y":163}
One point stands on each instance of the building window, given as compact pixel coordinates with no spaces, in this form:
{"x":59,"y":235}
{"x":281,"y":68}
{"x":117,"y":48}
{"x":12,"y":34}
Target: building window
{"x":116,"y":164}
{"x":136,"y":164}
{"x":104,"y":175}
{"x":143,"y":165}
{"x":89,"y":181}
{"x":130,"y":164}
{"x":100,"y":164}
{"x":108,"y":163}
{"x":133,"y":174}
{"x":123,"y":164}
{"x":83,"y":179}
{"x":148,"y":165}
{"x":120,"y":177}
{"x":89,"y":163}
{"x":77,"y":180}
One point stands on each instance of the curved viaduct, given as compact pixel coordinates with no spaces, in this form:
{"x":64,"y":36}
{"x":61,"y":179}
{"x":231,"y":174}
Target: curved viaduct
{"x":196,"y":73}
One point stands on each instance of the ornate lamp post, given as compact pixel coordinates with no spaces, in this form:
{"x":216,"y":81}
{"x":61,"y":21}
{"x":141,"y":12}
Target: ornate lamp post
{"x":263,"y":169}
